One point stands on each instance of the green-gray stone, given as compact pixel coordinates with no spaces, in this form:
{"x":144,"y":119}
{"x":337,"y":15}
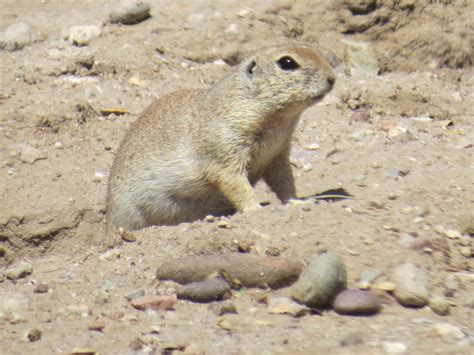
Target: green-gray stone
{"x":321,"y":281}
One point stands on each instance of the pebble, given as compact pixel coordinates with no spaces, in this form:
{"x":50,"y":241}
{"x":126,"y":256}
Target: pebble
{"x":360,"y":115}
{"x":41,"y":288}
{"x":321,"y":281}
{"x":16,"y":36}
{"x":466,"y":251}
{"x":249,"y":270}
{"x":410,"y":285}
{"x":34,"y":335}
{"x":59,"y":145}
{"x":283,"y":305}
{"x":356,"y":302}
{"x":127,"y":236}
{"x":452,"y":234}
{"x":135,"y":294}
{"x":156,"y":303}
{"x":400,"y":134}
{"x":394,"y":347}
{"x":109,"y":254}
{"x":130,"y":12}
{"x":96,"y":325}
{"x":225,"y":323}
{"x":449,"y":333}
{"x":81,"y":35}
{"x":19,"y":270}
{"x":80,"y":309}
{"x":385,"y":286}
{"x":397,"y":173}
{"x":439,"y":305}
{"x":351,"y":339}
{"x":210,"y":218}
{"x":205,"y":291}
{"x":221,"y":308}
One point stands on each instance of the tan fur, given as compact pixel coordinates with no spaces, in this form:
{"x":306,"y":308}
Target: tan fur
{"x":198,"y":152}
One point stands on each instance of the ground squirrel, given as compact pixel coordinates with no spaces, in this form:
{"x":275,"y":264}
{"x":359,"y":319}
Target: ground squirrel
{"x":194,"y":153}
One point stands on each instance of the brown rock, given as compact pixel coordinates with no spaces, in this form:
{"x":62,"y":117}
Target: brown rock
{"x":360,"y":115}
{"x":41,"y":288}
{"x":157,"y":303}
{"x":356,"y":302}
{"x":34,"y":335}
{"x":250,"y":270}
{"x":205,"y":291}
{"x":96,"y":325}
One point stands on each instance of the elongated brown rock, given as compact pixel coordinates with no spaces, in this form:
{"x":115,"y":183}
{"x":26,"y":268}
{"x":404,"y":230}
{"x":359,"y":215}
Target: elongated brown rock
{"x":249,"y":270}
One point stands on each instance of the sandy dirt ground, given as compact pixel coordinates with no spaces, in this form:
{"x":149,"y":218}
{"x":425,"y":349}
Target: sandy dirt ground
{"x":396,"y":133}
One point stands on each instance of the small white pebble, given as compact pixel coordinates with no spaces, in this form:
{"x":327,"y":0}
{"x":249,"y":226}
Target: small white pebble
{"x":99,"y":175}
{"x":219,"y":62}
{"x":59,"y":145}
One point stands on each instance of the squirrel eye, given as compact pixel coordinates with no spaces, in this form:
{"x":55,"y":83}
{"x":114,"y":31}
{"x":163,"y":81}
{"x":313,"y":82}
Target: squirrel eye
{"x":287,"y":63}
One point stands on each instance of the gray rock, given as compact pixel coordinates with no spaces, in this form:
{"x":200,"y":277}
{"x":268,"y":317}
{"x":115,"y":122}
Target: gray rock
{"x":16,"y":36}
{"x":439,"y":305}
{"x":360,"y":56}
{"x":356,"y":302}
{"x":321,"y":281}
{"x":205,"y":291}
{"x":135,"y":294}
{"x":130,"y":12}
{"x":351,"y":339}
{"x":411,"y":285}
{"x":283,"y":305}
{"x":249,"y":270}
{"x":19,"y":270}
{"x":81,"y":35}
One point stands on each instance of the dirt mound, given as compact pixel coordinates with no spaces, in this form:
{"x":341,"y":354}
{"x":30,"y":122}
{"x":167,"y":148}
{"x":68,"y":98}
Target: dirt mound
{"x":411,"y":34}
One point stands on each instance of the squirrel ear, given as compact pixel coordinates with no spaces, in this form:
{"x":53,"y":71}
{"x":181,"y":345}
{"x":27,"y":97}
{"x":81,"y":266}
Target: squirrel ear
{"x":250,"y":67}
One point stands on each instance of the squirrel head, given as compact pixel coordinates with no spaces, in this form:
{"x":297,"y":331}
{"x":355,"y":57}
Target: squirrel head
{"x":287,"y":77}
